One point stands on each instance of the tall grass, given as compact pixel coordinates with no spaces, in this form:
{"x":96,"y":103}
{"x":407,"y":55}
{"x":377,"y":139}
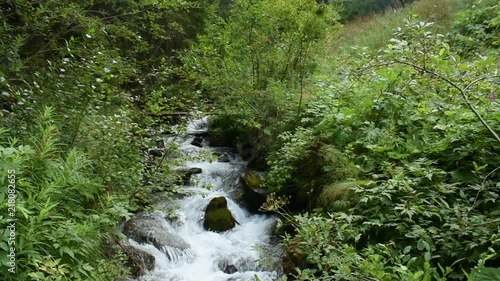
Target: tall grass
{"x":374,"y":30}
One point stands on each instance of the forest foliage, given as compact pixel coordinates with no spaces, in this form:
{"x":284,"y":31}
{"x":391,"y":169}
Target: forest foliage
{"x":385,"y":164}
{"x":85,"y":88}
{"x":390,"y":162}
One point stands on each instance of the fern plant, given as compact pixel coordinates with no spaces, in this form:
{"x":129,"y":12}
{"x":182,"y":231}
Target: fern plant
{"x":60,"y":226}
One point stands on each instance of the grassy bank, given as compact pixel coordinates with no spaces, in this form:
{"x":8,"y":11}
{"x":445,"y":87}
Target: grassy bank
{"x":375,"y":30}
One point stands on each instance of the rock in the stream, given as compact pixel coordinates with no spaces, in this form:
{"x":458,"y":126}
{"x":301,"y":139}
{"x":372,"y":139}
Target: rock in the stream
{"x":218,"y":218}
{"x":224,"y":154}
{"x":139,"y":261}
{"x":197,"y":141}
{"x":153,"y":229}
{"x":186,"y":174}
{"x":253,"y":195}
{"x":223,"y":158}
{"x":227,"y":267}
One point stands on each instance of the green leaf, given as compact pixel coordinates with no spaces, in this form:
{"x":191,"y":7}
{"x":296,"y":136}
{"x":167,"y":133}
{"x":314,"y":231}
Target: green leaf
{"x":485,"y":274}
{"x":88,"y":267}
{"x":422,"y":244}
{"x":418,"y":274}
{"x":4,"y":246}
{"x":407,"y":249}
{"x":427,"y":256}
{"x":37,"y":275}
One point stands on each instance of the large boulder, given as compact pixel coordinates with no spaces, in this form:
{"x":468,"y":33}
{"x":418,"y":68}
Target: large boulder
{"x":153,"y":229}
{"x":253,"y":195}
{"x":218,"y":218}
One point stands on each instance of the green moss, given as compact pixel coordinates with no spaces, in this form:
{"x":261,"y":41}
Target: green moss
{"x":217,"y":216}
{"x":252,"y":180}
{"x":219,"y":220}
{"x":217,"y":203}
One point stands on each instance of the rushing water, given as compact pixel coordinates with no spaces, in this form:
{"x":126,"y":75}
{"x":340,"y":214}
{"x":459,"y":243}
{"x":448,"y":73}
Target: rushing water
{"x":237,"y":251}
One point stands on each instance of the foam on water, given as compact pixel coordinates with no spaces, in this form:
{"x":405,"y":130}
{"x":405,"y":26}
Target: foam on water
{"x":238,"y":248}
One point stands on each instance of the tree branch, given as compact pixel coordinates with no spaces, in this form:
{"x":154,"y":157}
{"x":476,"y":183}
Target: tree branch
{"x":463,"y":92}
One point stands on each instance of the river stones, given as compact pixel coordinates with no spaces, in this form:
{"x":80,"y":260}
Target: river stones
{"x":153,"y":229}
{"x":218,"y":218}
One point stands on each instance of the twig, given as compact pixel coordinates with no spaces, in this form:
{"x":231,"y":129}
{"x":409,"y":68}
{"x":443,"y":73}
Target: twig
{"x":162,"y":158}
{"x":482,"y":184}
{"x":134,"y":260}
{"x":462,"y":92}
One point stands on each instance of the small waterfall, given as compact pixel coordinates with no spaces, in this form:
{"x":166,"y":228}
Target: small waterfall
{"x":228,"y":256}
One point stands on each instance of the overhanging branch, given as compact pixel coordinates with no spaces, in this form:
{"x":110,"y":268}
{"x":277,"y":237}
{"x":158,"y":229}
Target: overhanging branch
{"x":463,"y":91}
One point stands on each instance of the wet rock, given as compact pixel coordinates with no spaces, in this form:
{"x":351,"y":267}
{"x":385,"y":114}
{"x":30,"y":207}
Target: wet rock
{"x":197,"y":127}
{"x":152,"y":229}
{"x":224,"y":154}
{"x":186,"y":173}
{"x":253,"y":195}
{"x":227,"y":267}
{"x":218,"y":218}
{"x":224,"y":158}
{"x":155,"y":152}
{"x":197,"y":141}
{"x":139,"y":261}
{"x":190,"y":171}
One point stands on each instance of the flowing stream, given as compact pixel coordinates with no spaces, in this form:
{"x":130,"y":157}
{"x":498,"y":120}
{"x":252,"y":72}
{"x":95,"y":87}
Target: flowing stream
{"x":229,"y":256}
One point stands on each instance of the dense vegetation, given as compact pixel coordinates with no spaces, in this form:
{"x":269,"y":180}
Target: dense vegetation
{"x":85,"y":88}
{"x":381,"y":160}
{"x":358,"y":8}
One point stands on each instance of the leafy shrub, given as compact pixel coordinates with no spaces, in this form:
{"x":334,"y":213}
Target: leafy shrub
{"x":62,"y":219}
{"x":415,"y":121}
{"x":254,"y":64}
{"x":477,"y":25}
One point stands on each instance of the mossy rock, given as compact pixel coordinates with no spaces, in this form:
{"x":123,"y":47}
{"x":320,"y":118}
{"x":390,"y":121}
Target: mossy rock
{"x":253,"y":195}
{"x":252,"y":180}
{"x":218,"y":218}
{"x":217,"y":203}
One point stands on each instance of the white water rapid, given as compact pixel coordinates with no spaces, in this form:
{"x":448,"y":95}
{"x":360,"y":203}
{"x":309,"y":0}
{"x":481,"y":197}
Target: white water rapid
{"x":234,"y":255}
